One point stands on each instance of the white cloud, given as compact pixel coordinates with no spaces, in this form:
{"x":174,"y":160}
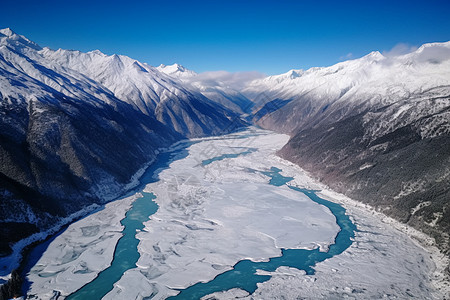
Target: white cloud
{"x":399,"y":49}
{"x":430,"y":53}
{"x":236,"y":80}
{"x":347,"y":56}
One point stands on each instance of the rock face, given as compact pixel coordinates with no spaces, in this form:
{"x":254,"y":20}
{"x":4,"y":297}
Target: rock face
{"x":76,"y":127}
{"x":376,"y":129}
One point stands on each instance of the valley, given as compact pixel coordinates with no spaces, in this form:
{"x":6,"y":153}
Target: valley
{"x":218,"y":214}
{"x":134,"y":181}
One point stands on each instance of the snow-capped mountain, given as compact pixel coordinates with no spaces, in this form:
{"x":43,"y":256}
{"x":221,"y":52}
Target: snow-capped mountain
{"x":76,"y":127}
{"x":375,"y":128}
{"x":176,"y":70}
{"x":153,"y":92}
{"x":66,"y":142}
{"x":10,"y":38}
{"x":369,"y":82}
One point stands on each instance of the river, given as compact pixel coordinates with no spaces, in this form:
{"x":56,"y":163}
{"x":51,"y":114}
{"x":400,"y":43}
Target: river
{"x":210,"y":215}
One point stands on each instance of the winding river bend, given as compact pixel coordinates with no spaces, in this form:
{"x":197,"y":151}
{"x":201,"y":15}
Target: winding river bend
{"x":243,"y":275}
{"x":127,"y":252}
{"x":125,"y":255}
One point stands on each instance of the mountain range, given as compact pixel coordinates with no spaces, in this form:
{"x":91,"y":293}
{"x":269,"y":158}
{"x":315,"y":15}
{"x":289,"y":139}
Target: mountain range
{"x":78,"y":128}
{"x":376,"y":129}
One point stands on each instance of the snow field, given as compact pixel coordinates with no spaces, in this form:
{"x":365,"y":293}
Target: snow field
{"x":213,"y":216}
{"x":77,"y":255}
{"x":210,"y":217}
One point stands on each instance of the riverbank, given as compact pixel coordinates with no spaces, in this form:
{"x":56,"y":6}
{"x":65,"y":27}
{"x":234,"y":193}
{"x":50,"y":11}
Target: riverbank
{"x":87,"y":246}
{"x":23,"y":247}
{"x":439,"y":278}
{"x":83,"y":250}
{"x":373,"y":225}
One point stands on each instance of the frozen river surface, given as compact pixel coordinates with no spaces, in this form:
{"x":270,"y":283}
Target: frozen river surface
{"x":218,"y":205}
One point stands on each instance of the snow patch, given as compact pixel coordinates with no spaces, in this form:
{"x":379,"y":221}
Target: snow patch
{"x":420,"y":206}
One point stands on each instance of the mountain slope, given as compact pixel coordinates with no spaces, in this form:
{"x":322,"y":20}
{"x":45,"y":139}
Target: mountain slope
{"x":376,"y":129}
{"x":144,"y":87}
{"x":76,"y":129}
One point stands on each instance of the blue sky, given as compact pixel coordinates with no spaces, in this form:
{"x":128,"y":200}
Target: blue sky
{"x":265,"y":36}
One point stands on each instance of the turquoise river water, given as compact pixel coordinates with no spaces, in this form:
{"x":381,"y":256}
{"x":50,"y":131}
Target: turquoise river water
{"x":243,"y":273}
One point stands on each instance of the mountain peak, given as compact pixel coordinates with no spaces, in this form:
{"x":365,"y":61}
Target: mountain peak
{"x":14,"y":40}
{"x":97,"y":52}
{"x":176,"y":70}
{"x":374,"y":55}
{"x":7,"y":32}
{"x":434,"y":53}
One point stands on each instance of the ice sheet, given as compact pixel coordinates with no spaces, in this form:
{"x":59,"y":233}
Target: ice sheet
{"x":212,"y":216}
{"x":76,"y":256}
{"x":386,"y":261}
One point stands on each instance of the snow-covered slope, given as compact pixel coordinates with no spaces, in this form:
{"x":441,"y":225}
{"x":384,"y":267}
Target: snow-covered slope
{"x":375,"y":128}
{"x":352,"y":86}
{"x":76,"y":127}
{"x":153,"y":92}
